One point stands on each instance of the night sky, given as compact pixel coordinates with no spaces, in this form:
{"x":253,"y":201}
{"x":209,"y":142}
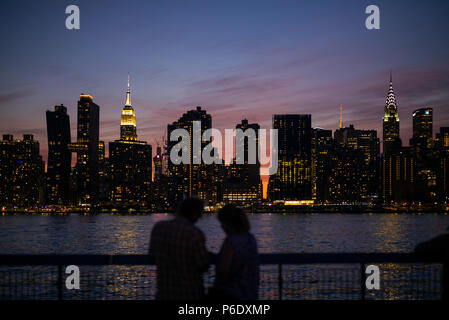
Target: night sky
{"x":238,"y":59}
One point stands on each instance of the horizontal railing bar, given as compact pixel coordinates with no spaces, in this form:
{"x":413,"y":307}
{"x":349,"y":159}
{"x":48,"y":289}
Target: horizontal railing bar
{"x":274,"y":258}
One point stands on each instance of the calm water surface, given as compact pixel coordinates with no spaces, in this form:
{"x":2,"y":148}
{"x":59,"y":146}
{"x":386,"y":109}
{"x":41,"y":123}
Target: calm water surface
{"x":121,"y":234}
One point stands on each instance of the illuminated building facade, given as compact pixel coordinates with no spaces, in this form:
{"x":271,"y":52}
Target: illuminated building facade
{"x":391,"y":138}
{"x":59,"y":156}
{"x":128,"y":129}
{"x":21,"y":172}
{"x":130,"y":162}
{"x":293,"y":180}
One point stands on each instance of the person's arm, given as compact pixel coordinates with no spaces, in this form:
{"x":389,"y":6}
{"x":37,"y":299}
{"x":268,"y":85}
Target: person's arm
{"x":224,"y":265}
{"x":200,"y":253}
{"x":152,"y":245}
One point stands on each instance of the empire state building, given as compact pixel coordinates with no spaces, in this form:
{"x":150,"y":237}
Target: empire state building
{"x":391,"y":138}
{"x":130,"y":162}
{"x":128,"y":130}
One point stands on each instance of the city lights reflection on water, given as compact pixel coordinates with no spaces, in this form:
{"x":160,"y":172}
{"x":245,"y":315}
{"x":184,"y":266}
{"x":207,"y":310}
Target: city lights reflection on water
{"x":126,"y":234}
{"x":318,"y":233}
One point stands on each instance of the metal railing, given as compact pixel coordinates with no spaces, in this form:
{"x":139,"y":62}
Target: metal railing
{"x":283,"y":276}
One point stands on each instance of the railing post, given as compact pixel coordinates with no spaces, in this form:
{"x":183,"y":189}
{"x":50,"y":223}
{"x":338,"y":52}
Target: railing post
{"x":280,"y":281}
{"x":445,"y":284}
{"x":362,"y":279}
{"x":59,"y":284}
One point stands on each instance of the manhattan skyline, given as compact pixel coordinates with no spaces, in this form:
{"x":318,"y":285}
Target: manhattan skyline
{"x":309,"y":59}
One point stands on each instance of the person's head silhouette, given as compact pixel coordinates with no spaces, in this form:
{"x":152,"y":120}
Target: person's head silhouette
{"x":191,"y":209}
{"x":233,"y":220}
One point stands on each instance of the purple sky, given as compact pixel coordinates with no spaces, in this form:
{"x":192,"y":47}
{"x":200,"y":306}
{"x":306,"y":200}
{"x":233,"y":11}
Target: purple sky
{"x":237,"y":59}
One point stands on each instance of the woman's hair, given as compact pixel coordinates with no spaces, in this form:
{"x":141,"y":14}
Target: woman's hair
{"x":234,"y":217}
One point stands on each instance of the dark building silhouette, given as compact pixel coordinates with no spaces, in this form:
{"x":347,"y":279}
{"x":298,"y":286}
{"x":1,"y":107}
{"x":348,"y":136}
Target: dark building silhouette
{"x":130,"y":162}
{"x":86,"y":148}
{"x":366,"y":143}
{"x":21,"y":172}
{"x":157,"y":160}
{"x":194,"y":178}
{"x":159,"y":190}
{"x":442,"y":164}
{"x":398,"y":175}
{"x":346,"y":180}
{"x":130,"y":171}
{"x":293,"y":180}
{"x":59,"y":156}
{"x":8,"y":164}
{"x":103,"y":174}
{"x":425,"y":155}
{"x":243,"y":184}
{"x":442,"y":138}
{"x":322,"y":144}
{"x":391,"y":138}
{"x":421,"y":141}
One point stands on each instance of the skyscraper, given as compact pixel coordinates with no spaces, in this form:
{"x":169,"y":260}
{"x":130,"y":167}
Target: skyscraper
{"x":103,"y":174}
{"x":443,"y":164}
{"x":242,"y":183}
{"x":195,"y":178}
{"x":421,"y":141}
{"x":86,"y":147}
{"x":442,"y":137}
{"x":59,"y":156}
{"x":391,"y":138}
{"x":128,"y":130}
{"x":422,"y":148}
{"x":159,"y":189}
{"x":293,"y":180}
{"x":366,"y":143}
{"x":21,"y":172}
{"x":322,"y":144}
{"x":250,"y":171}
{"x":346,"y":183}
{"x":158,"y":164}
{"x":130,"y":161}
{"x":398,"y":175}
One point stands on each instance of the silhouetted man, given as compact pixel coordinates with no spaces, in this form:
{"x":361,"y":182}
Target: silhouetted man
{"x":179,"y":250}
{"x":437,"y":249}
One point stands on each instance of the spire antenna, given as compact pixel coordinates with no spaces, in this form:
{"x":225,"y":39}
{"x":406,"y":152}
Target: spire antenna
{"x":341,"y":116}
{"x":128,"y":95}
{"x":391,"y":76}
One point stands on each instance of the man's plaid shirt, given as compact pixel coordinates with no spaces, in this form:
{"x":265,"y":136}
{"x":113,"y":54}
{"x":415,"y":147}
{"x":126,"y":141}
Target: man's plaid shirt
{"x":179,"y":250}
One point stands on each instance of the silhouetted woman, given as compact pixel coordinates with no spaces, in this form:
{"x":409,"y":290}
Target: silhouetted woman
{"x":237,"y":269}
